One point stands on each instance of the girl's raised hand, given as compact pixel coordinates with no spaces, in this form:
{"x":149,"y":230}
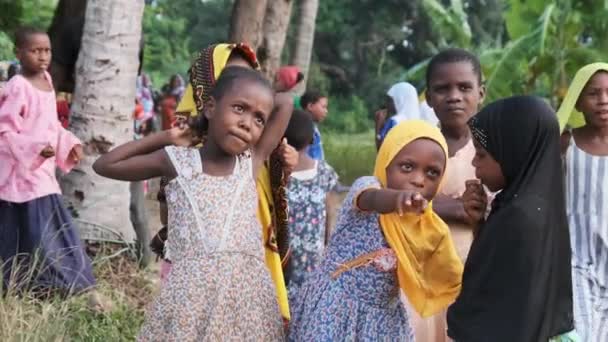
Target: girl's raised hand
{"x":76,"y":153}
{"x":410,"y":201}
{"x":182,"y":135}
{"x":48,"y":152}
{"x":475,"y":201}
{"x":288,"y":155}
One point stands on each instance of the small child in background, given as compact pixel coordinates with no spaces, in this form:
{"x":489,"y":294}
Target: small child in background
{"x":309,"y":184}
{"x":316,"y":104}
{"x":585,"y":110}
{"x":33,"y":218}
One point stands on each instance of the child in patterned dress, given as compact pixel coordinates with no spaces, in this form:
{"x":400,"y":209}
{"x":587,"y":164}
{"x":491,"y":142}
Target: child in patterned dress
{"x":387,"y":237}
{"x":219,"y":287}
{"x":309,"y":184}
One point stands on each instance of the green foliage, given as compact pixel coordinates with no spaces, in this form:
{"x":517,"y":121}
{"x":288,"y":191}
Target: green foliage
{"x":351,"y":155}
{"x":6,"y":47}
{"x":347,"y":115}
{"x":37,"y":13}
{"x":166,"y":45}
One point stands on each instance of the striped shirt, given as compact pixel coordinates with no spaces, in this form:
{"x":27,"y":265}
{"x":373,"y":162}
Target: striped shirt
{"x":587,"y":205}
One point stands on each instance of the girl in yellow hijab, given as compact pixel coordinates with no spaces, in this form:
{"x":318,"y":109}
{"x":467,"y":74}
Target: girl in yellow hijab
{"x":205,"y":70}
{"x":387,"y":238}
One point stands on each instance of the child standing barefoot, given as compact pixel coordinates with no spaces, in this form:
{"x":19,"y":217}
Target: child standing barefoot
{"x":219,"y":287}
{"x":34,"y":225}
{"x":516,"y":284}
{"x":586,"y":109}
{"x":309,"y":184}
{"x":387,"y":237}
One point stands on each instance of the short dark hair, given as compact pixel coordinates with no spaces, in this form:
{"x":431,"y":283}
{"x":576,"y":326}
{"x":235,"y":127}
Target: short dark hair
{"x":453,"y":55}
{"x":24,"y":33}
{"x":229,"y":77}
{"x":227,"y":80}
{"x":300,"y":130}
{"x":310,"y":97}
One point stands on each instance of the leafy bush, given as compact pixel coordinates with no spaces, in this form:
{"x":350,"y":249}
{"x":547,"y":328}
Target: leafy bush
{"x":351,"y":155}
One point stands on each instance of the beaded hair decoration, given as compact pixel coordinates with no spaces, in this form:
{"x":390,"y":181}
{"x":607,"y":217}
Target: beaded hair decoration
{"x":479,"y":133}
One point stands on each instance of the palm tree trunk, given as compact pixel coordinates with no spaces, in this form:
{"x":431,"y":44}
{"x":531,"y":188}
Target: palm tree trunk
{"x":305,"y":38}
{"x":276,"y":22}
{"x":102,"y":114}
{"x":246,"y":22}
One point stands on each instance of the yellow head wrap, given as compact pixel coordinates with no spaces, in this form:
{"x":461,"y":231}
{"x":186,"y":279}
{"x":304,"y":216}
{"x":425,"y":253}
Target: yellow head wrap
{"x":567,"y":113}
{"x":429,"y":269}
{"x":205,"y":71}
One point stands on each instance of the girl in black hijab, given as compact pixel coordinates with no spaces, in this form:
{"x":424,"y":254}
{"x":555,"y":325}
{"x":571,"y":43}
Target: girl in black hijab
{"x":517,"y":283}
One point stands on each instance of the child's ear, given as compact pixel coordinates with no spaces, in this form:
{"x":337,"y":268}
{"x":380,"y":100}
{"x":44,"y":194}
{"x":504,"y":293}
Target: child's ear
{"x":209,"y":108}
{"x":482,"y":93}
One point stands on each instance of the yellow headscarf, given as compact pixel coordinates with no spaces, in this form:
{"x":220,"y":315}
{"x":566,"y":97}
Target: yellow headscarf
{"x":567,"y":113}
{"x":429,"y":269}
{"x":214,"y":59}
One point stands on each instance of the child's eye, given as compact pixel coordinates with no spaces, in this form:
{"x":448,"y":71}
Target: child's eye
{"x":433,"y":173}
{"x":238,"y":108}
{"x":407,"y":167}
{"x":259,"y":120}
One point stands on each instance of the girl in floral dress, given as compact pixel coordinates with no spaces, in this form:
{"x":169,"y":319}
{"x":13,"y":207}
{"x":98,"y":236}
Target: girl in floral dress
{"x":309,"y":184}
{"x":219,"y":287}
{"x":387,"y":237}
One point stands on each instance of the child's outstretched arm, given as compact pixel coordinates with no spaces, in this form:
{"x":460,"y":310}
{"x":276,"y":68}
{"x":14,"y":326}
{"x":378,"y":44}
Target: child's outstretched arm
{"x":274,"y":129}
{"x":143,"y":159}
{"x":385,"y":201}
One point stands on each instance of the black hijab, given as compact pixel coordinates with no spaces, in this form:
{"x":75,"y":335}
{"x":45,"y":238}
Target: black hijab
{"x":517,"y":281}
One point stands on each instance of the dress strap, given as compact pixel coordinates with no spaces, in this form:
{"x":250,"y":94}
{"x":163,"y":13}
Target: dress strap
{"x":242,"y":170}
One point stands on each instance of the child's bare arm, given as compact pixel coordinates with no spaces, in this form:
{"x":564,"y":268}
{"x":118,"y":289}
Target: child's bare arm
{"x":450,"y":209}
{"x":274,"y":129}
{"x":385,"y":201}
{"x":139,"y":160}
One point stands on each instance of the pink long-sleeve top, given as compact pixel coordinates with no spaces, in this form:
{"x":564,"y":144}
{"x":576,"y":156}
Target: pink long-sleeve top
{"x":28,"y":123}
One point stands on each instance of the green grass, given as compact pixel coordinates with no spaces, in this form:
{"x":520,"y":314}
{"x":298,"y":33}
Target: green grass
{"x":351,"y":155}
{"x":25,"y":318}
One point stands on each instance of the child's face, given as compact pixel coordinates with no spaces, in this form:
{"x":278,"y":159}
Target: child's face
{"x":593,"y":101}
{"x":35,"y":54}
{"x":454,"y":93}
{"x":237,"y":120}
{"x":487,"y":169}
{"x":419,"y":166}
{"x":318,"y":109}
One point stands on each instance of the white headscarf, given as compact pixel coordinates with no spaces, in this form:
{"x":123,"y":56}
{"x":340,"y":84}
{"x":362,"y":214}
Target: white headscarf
{"x":405,"y":98}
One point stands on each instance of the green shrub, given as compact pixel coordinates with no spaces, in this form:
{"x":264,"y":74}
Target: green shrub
{"x":351,"y":155}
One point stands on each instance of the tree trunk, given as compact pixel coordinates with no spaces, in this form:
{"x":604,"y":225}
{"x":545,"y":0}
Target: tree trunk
{"x":276,"y":22}
{"x":304,"y":39}
{"x":102,"y":114}
{"x":246,"y":22}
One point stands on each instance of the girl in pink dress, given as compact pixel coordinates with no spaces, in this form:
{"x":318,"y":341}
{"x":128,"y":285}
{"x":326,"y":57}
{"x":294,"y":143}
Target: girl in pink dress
{"x":39,"y":246}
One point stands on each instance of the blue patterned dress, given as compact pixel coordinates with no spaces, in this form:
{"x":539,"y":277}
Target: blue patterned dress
{"x":307,"y":220}
{"x":361,"y":303}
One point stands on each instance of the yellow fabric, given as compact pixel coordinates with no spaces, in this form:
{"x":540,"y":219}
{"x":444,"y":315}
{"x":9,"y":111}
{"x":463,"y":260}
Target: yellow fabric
{"x":273,"y":259}
{"x":221,"y":54}
{"x":429,"y":269}
{"x":567,"y":113}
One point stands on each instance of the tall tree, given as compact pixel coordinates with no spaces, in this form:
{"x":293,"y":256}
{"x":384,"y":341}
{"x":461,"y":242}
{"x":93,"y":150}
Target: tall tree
{"x":101,"y":111}
{"x":246,"y":23}
{"x":276,"y":22}
{"x":305,"y":38}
